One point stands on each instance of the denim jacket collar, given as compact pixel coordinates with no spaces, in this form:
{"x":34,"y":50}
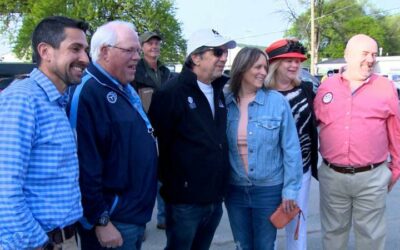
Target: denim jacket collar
{"x":259,"y":97}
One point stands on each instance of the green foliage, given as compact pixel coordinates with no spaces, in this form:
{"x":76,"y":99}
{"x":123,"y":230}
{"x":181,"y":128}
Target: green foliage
{"x":147,"y":15}
{"x":338,"y":20}
{"x":392,"y":38}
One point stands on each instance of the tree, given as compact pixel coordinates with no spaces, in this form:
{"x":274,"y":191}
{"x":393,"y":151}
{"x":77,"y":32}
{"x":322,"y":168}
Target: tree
{"x":392,"y":27}
{"x":338,"y":20}
{"x":147,"y":15}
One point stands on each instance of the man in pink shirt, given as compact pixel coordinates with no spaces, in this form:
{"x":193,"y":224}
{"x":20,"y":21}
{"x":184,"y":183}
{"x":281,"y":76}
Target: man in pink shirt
{"x":359,"y":118}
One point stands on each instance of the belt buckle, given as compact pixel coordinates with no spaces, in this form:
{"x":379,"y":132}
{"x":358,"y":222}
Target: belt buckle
{"x":56,"y":236}
{"x":351,"y":170}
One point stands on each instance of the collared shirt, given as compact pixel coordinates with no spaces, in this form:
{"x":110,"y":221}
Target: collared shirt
{"x":154,"y":73}
{"x":39,"y":189}
{"x":361,"y":127}
{"x":274,"y":155}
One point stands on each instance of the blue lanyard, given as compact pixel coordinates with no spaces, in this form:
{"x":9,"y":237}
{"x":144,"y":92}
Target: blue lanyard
{"x":134,"y":98}
{"x":137,"y":104}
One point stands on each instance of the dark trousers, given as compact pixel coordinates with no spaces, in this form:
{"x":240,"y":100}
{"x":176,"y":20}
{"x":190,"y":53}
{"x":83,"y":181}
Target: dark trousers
{"x":131,"y":234}
{"x":191,"y":226}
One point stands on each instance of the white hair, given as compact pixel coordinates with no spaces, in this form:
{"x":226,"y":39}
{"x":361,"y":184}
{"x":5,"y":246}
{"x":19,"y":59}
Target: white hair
{"x":107,"y":35}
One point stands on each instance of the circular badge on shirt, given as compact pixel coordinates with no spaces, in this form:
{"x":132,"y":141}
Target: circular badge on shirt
{"x":327,"y":98}
{"x":112,"y":97}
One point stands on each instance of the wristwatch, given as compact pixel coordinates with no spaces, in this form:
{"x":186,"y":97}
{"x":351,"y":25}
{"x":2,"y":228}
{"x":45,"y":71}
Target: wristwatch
{"x":103,"y":219}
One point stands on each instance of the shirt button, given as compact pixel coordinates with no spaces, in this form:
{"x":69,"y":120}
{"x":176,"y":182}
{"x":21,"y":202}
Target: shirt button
{"x":251,"y":169}
{"x":220,"y":146}
{"x":250,"y":133}
{"x":251,"y":150}
{"x":250,"y":117}
{"x":348,"y":113}
{"x":347,"y":127}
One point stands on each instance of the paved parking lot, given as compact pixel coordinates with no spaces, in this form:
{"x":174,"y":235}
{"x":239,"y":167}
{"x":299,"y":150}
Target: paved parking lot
{"x":223,"y":237}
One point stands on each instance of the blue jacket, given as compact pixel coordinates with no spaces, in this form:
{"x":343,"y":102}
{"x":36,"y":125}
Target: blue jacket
{"x":117,"y":156}
{"x":274,"y":153}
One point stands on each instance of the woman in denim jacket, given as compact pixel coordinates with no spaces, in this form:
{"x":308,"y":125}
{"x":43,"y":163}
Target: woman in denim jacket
{"x":285,"y":57}
{"x":264,"y":153}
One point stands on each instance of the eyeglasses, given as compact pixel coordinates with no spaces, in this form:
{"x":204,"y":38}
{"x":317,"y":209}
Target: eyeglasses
{"x":218,"y":52}
{"x":130,"y":51}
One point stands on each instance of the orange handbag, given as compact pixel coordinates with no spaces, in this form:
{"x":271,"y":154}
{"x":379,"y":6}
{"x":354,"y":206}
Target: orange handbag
{"x":280,"y":219}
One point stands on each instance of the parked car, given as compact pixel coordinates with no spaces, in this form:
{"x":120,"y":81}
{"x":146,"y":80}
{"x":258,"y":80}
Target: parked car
{"x":11,"y":71}
{"x":307,"y":77}
{"x":396,"y":80}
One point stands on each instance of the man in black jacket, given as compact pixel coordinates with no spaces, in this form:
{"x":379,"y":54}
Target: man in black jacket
{"x":189,"y":117}
{"x":151,"y":74}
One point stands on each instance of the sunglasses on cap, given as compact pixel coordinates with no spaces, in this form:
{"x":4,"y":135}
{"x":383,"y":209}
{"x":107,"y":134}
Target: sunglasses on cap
{"x":290,"y":47}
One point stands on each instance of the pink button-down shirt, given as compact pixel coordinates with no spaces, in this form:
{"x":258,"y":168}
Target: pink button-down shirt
{"x":359,"y":128}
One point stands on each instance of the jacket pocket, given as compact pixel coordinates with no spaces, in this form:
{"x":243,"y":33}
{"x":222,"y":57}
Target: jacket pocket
{"x":268,"y":130}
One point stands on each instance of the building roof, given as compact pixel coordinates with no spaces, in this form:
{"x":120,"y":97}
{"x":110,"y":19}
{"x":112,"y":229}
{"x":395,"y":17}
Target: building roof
{"x":333,"y":61}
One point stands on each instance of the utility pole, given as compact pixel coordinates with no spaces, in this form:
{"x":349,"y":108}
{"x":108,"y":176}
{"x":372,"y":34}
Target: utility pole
{"x":312,"y":52}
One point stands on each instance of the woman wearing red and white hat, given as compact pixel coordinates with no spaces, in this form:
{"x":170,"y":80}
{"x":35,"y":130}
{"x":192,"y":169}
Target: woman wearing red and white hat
{"x":285,"y":58}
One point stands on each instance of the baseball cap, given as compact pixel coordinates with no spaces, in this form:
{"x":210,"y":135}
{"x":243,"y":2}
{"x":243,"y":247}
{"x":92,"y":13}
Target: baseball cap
{"x":286,"y":48}
{"x":148,"y":35}
{"x":207,"y":38}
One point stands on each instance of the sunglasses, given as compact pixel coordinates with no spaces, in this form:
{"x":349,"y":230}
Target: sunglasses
{"x":218,"y":52}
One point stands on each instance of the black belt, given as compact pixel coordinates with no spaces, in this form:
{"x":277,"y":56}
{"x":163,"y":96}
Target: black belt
{"x":59,"y":235}
{"x":352,"y":170}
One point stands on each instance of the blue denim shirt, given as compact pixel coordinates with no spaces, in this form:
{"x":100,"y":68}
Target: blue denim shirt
{"x":274,"y":153}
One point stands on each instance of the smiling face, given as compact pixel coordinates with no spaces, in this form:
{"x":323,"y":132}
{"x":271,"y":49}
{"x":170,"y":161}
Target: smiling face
{"x":254,"y":77}
{"x":120,"y":60}
{"x":360,"y":56}
{"x":208,"y":66}
{"x":288,"y":70}
{"x":65,"y":65}
{"x":151,"y":48}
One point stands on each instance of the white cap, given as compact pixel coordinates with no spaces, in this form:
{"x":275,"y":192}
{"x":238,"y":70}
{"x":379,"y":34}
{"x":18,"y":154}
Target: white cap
{"x":208,"y":38}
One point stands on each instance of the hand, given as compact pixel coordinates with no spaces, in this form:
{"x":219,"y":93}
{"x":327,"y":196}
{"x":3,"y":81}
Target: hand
{"x":109,"y":236}
{"x":289,"y":205}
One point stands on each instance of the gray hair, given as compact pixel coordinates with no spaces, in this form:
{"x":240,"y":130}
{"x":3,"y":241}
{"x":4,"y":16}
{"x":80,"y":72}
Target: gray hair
{"x":107,"y":35}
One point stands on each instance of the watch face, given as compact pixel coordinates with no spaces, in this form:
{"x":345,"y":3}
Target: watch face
{"x":103,"y":221}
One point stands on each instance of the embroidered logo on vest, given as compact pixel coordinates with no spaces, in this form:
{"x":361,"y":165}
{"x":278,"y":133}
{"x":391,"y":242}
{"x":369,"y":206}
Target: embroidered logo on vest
{"x":112,"y":97}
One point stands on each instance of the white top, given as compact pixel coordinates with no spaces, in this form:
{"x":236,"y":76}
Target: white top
{"x":208,"y":91}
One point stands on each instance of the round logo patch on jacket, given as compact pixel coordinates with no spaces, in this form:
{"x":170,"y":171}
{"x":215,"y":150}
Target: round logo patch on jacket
{"x":112,"y":97}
